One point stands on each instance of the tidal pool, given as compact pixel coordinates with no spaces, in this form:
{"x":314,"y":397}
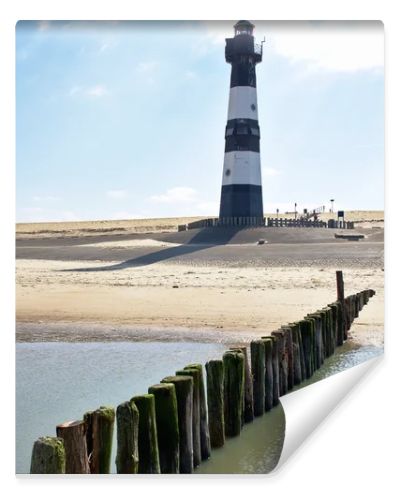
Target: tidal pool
{"x":57,"y":382}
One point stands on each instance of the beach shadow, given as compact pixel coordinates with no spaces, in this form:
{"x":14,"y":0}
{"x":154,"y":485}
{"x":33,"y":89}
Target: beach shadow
{"x":202,"y":240}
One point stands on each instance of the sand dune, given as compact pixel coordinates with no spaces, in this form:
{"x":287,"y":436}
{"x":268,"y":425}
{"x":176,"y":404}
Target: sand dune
{"x":369,"y":218}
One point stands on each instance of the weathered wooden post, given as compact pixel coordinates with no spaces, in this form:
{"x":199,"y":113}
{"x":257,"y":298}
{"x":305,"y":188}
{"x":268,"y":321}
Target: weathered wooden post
{"x":184,"y":395}
{"x":340,"y":285}
{"x":275,"y":369}
{"x":280,"y":340}
{"x":248,"y":389}
{"x":76,"y":456}
{"x":215,"y":400}
{"x":149,"y":460}
{"x":257,"y":351}
{"x":269,"y":372}
{"x":305,"y":328}
{"x":290,"y":356}
{"x":195,"y":374}
{"x":318,"y":355}
{"x":233,"y":392}
{"x":335,"y":326}
{"x":341,"y":326}
{"x":297,"y":372}
{"x":248,"y":403}
{"x":48,"y":456}
{"x":167,"y":427}
{"x":204,"y":431}
{"x":127,"y":460}
{"x":99,"y":433}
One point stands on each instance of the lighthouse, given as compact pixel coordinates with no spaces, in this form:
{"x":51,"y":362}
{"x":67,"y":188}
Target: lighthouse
{"x":241,"y":193}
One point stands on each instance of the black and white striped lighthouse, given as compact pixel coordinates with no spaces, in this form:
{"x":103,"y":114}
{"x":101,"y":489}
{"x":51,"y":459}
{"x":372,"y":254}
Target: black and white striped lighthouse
{"x":241,"y":194}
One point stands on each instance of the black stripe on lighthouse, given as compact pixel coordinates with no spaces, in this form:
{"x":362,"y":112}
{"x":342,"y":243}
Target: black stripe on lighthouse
{"x":241,"y":193}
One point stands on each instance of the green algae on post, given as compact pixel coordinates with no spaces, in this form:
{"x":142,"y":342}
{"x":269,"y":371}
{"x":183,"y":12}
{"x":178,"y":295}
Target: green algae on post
{"x":127,"y":460}
{"x":48,"y":456}
{"x":257,"y":351}
{"x":215,"y":400}
{"x":184,"y":395}
{"x":99,"y":435}
{"x":149,"y":460}
{"x":233,"y":392}
{"x":167,"y":427}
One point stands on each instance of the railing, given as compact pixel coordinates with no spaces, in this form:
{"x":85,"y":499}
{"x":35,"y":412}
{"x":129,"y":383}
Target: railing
{"x":258,"y":49}
{"x":224,"y":222}
{"x":275,"y":222}
{"x":262,"y":222}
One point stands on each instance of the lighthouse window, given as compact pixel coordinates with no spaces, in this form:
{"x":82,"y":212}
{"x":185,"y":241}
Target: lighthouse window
{"x":229,"y":131}
{"x":241,"y":131}
{"x":254,"y":131}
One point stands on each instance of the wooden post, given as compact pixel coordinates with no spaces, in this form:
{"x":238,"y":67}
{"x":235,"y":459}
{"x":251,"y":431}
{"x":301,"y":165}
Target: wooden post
{"x":204,"y":431}
{"x":318,"y":355}
{"x":215,"y":400}
{"x":290,"y":356}
{"x":341,"y":323}
{"x":305,"y":328}
{"x":99,"y":435}
{"x":257,"y":351}
{"x":275,"y":370}
{"x":149,"y":460}
{"x":248,"y":389}
{"x":233,"y":392}
{"x":167,"y":427}
{"x":184,"y":395}
{"x":297,"y":375}
{"x":283,"y":363}
{"x":76,"y":456}
{"x":127,"y":461}
{"x":196,"y":413}
{"x":48,"y":456}
{"x":269,"y":373}
{"x":340,"y":296}
{"x":248,"y":404}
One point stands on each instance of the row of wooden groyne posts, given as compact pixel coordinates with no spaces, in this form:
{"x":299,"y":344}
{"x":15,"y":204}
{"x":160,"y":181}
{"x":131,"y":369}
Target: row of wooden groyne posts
{"x":262,"y":222}
{"x":174,"y":427}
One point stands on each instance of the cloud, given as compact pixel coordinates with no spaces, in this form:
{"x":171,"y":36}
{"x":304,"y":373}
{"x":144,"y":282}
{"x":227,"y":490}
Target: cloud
{"x":106,"y":46}
{"x":208,"y":207}
{"x":329,"y":46}
{"x":146,"y":67}
{"x":179,"y":194}
{"x":46,"y":198}
{"x":95,"y":91}
{"x":116,"y":194}
{"x":43,"y":25}
{"x":270,"y":172}
{"x":190,"y":75}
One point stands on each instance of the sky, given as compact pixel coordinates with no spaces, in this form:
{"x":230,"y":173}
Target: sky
{"x":119,"y":120}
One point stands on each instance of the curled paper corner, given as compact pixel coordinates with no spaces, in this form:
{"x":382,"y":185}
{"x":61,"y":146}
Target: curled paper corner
{"x":306,"y":408}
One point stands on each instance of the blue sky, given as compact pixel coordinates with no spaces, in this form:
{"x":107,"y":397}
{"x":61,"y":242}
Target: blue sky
{"x":126,"y":119}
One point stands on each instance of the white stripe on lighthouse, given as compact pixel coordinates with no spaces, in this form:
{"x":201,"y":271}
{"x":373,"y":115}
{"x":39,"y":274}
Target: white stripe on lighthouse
{"x":242,"y":103}
{"x":242,"y":167}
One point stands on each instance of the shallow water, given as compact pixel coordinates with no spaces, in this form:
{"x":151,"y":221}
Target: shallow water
{"x":56,"y":382}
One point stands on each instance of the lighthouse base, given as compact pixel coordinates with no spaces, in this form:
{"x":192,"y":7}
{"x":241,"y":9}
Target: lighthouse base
{"x":241,"y":200}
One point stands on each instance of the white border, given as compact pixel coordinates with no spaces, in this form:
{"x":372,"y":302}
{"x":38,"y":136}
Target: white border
{"x":355,"y":452}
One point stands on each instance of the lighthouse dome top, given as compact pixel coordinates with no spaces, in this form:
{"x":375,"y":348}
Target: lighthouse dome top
{"x":243,"y":28}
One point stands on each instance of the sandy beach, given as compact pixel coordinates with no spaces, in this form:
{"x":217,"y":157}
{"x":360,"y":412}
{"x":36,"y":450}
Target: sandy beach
{"x":82,"y":289}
